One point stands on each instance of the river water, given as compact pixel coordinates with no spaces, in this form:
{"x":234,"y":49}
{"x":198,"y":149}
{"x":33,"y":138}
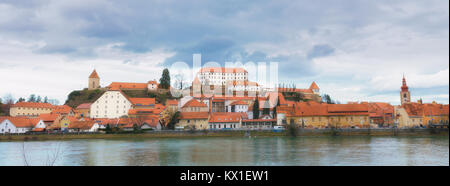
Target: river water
{"x":257,"y":151}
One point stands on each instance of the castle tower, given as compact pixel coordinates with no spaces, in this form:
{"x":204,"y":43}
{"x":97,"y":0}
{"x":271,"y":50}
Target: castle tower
{"x":314,"y":88}
{"x":405,"y":96}
{"x":94,"y":81}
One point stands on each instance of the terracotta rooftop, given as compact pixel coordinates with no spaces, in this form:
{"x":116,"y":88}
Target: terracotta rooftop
{"x":313,"y":86}
{"x":194,"y":115}
{"x":49,"y":117}
{"x":94,"y":74}
{"x":194,"y":103}
{"x":171,"y":102}
{"x":142,"y":101}
{"x":122,"y":85}
{"x":22,"y":122}
{"x":84,"y":125}
{"x":84,"y":106}
{"x":61,"y":109}
{"x":226,"y":117}
{"x":33,"y":105}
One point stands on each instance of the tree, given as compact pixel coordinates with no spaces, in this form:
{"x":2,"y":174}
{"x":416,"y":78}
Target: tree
{"x":136,"y":128}
{"x":256,"y":109}
{"x":327,"y":99}
{"x":108,"y":129}
{"x":8,"y":101}
{"x":1,"y":107}
{"x":45,"y":99}
{"x":164,"y":82}
{"x":38,"y":99}
{"x":21,"y":99}
{"x":32,"y":98}
{"x":173,"y":120}
{"x":274,"y":112}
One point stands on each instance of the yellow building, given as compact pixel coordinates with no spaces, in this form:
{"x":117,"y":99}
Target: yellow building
{"x":321,"y":115}
{"x":83,"y":110}
{"x":409,"y":115}
{"x":193,"y":120}
{"x":66,"y":120}
{"x":30,"y":109}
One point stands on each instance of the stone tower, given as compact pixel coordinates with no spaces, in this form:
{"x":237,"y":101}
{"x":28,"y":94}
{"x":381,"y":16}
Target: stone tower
{"x":405,"y":96}
{"x":94,"y":81}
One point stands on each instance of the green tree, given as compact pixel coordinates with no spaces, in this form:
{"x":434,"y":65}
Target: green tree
{"x":164,"y":82}
{"x":136,"y":128}
{"x":256,"y":109}
{"x":20,"y":100}
{"x":38,"y":99}
{"x":45,"y":99}
{"x":32,"y":98}
{"x":173,"y":121}
{"x":1,"y":107}
{"x":108,"y":129}
{"x":327,"y":99}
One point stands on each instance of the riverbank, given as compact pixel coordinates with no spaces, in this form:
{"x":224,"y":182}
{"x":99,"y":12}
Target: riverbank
{"x":240,"y":133}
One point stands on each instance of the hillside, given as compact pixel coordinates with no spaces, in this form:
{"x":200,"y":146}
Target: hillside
{"x":78,"y":97}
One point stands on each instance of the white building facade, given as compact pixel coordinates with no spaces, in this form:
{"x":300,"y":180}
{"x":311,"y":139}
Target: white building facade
{"x":220,"y":75}
{"x":112,"y":104}
{"x":20,"y":126}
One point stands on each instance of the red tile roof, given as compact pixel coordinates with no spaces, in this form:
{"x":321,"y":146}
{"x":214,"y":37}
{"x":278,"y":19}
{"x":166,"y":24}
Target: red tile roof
{"x":85,"y":125}
{"x":61,"y":109}
{"x":194,"y":115}
{"x":106,"y":121}
{"x":33,"y":105}
{"x":94,"y":74}
{"x":121,"y":85}
{"x":142,"y":101}
{"x":226,"y":117}
{"x":84,"y":106}
{"x":22,"y":122}
{"x":194,"y":103}
{"x":171,"y":102}
{"x":313,"y":86}
{"x":49,"y":117}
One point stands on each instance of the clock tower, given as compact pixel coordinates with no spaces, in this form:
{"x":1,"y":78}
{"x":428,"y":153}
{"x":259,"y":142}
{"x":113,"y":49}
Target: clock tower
{"x":405,"y":96}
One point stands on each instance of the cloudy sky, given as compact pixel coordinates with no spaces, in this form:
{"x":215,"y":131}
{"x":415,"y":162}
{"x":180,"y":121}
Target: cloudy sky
{"x":354,"y":50}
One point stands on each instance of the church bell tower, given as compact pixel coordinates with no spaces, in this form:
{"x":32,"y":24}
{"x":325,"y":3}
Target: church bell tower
{"x":405,"y":96}
{"x":94,"y":81}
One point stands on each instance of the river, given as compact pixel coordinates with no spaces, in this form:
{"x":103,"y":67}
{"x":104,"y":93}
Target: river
{"x":271,"y":151}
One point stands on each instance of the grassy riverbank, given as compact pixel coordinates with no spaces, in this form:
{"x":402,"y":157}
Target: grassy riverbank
{"x":205,"y":134}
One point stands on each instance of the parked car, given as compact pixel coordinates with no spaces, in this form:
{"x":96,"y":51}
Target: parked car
{"x":278,"y":128}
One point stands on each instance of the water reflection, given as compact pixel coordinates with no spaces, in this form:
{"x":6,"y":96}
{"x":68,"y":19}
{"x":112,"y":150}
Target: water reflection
{"x":235,"y":151}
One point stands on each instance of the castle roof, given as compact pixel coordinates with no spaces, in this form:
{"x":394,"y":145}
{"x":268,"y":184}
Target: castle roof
{"x":223,"y":70}
{"x":313,"y":86}
{"x":94,"y":74}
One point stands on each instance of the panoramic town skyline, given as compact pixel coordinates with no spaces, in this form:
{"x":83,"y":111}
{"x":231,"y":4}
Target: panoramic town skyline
{"x":355,"y":51}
